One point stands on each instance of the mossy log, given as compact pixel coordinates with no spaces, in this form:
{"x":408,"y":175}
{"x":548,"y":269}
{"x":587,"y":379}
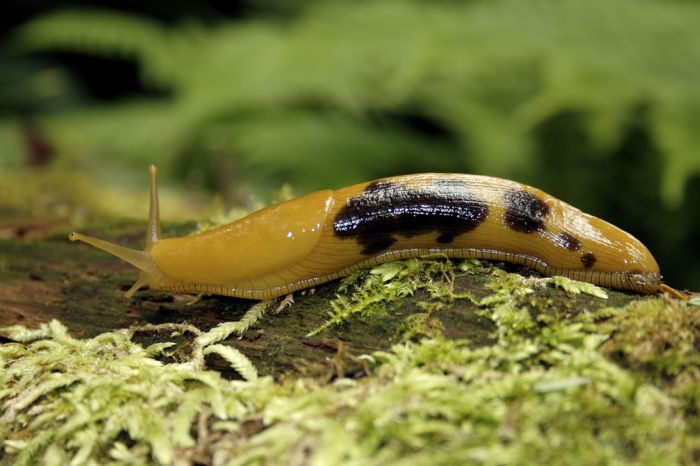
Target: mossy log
{"x":51,"y":278}
{"x":420,"y":362}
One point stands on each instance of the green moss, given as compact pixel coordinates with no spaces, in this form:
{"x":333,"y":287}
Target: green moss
{"x":657,"y":336}
{"x":660,"y":340}
{"x":422,"y":325}
{"x":610,"y":385}
{"x":386,"y":283}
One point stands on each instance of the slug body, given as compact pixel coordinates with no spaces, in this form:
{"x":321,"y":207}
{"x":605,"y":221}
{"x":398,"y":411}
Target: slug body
{"x":330,"y":234}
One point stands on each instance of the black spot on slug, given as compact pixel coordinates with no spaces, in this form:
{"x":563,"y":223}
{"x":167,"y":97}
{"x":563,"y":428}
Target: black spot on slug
{"x":385,"y":210}
{"x":588,"y":260}
{"x":568,"y":241}
{"x":525,"y":212}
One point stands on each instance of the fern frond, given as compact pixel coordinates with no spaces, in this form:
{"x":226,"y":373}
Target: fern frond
{"x":487,"y":73}
{"x":102,"y":33}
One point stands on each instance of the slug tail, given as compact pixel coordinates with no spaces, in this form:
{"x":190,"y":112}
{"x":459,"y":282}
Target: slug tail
{"x":664,"y":288}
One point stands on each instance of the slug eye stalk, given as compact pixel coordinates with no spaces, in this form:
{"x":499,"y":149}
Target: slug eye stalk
{"x":140,"y":259}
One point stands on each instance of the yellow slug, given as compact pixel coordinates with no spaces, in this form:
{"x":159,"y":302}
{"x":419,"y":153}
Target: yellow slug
{"x":329,"y":234}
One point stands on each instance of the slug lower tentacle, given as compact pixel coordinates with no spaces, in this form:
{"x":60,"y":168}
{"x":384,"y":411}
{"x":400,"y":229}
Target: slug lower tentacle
{"x":329,"y":234}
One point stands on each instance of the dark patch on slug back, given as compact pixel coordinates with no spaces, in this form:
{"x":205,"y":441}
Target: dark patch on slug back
{"x":525,"y":212}
{"x":588,"y":260}
{"x":384,"y":210}
{"x":568,"y":241}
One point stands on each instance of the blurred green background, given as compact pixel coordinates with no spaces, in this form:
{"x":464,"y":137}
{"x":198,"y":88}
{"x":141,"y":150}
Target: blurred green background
{"x":597,"y":103}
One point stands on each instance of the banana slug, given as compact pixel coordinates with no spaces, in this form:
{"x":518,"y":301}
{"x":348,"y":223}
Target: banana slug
{"x":329,"y":234}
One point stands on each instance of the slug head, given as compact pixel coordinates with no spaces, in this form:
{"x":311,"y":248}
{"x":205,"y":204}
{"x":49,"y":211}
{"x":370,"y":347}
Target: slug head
{"x":149,"y":272}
